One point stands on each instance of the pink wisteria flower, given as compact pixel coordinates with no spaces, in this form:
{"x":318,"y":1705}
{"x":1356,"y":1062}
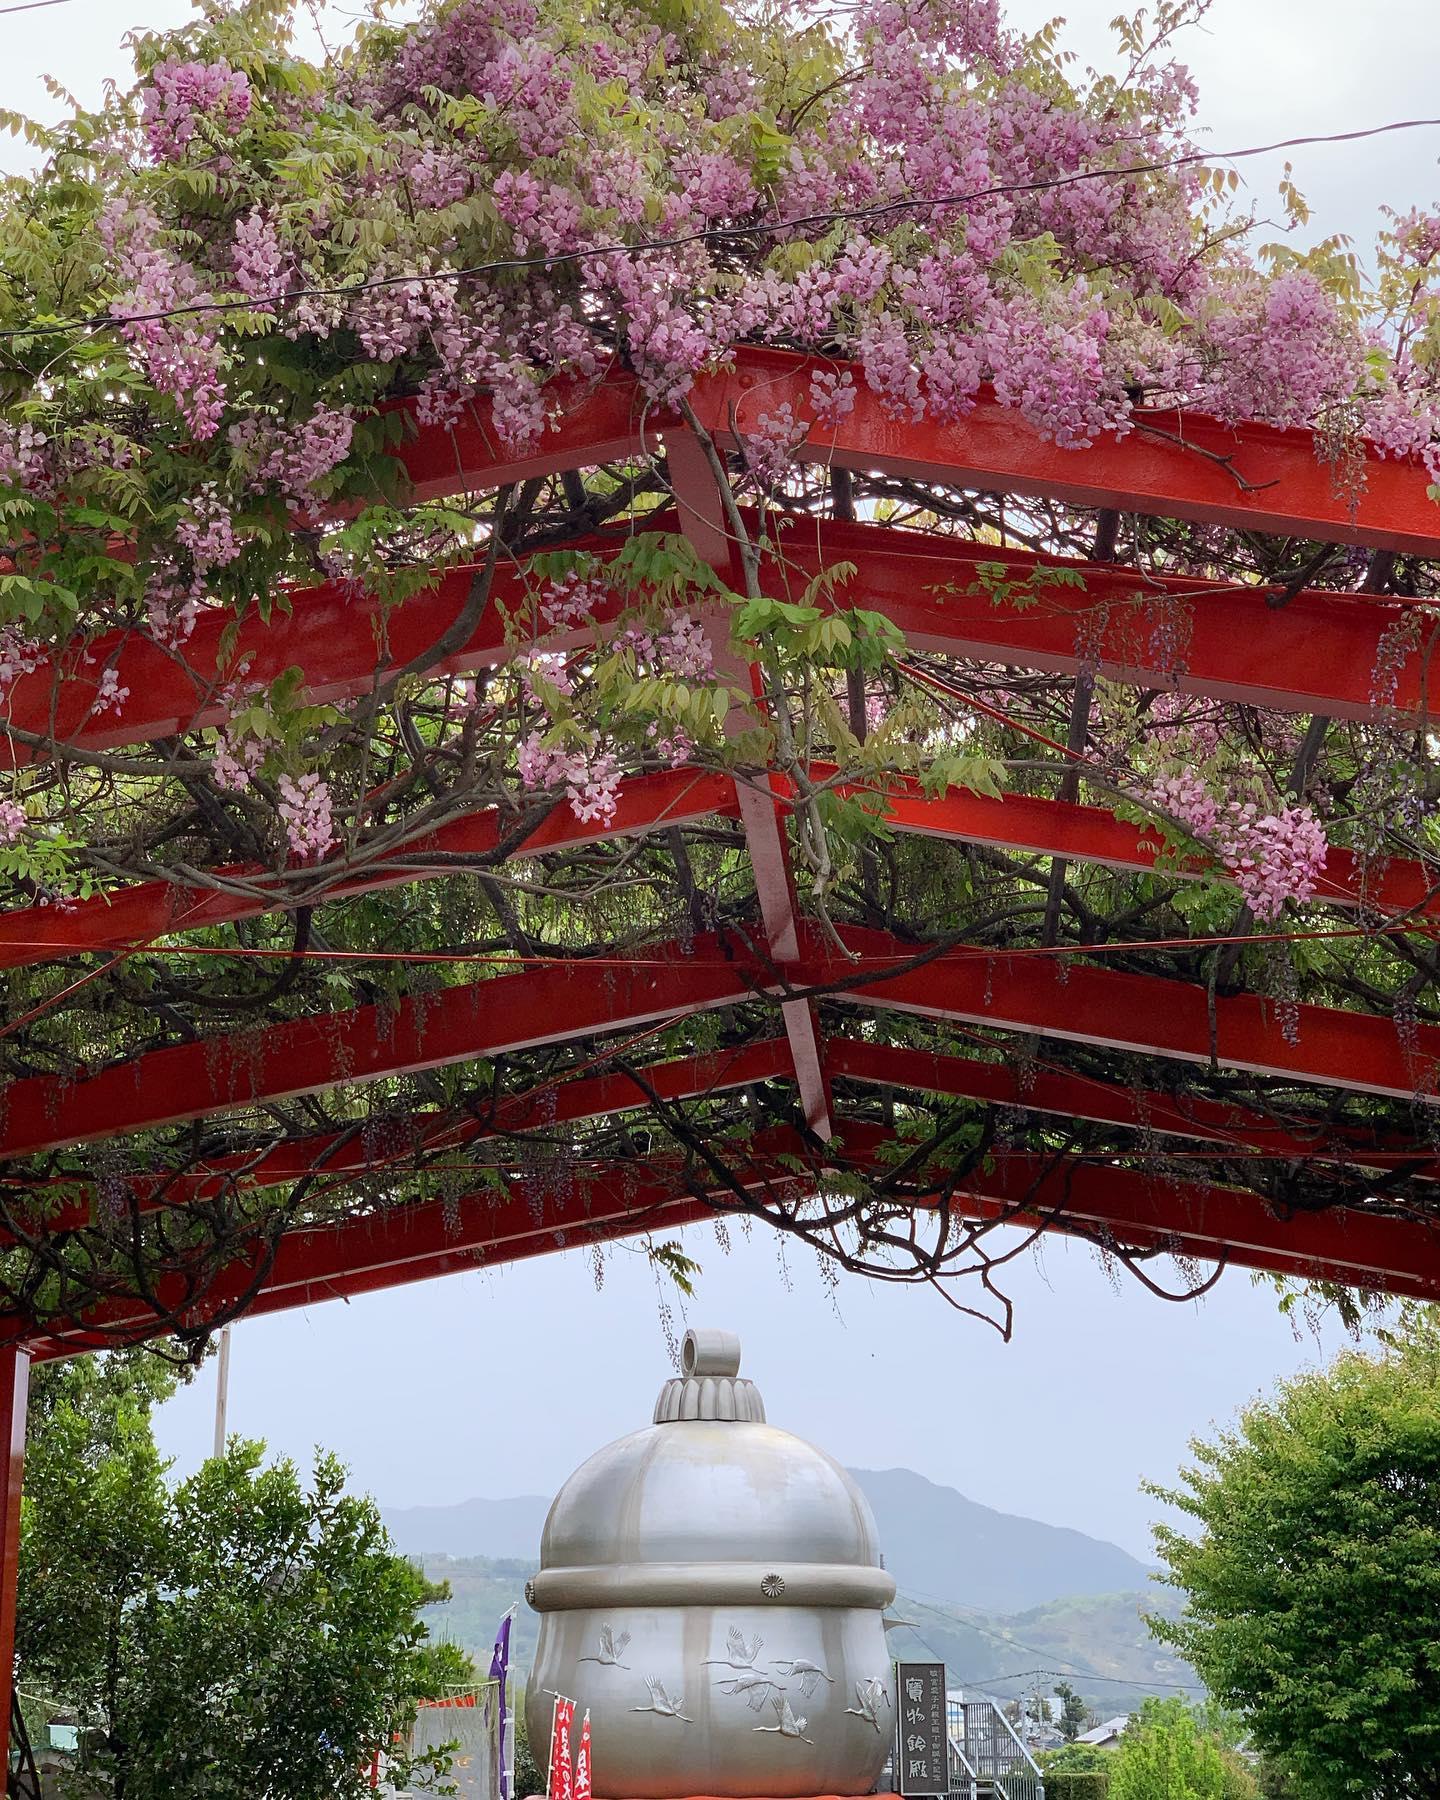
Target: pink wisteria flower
{"x":1272,"y":857}
{"x":184,"y":97}
{"x":590,"y":775}
{"x":306,"y":812}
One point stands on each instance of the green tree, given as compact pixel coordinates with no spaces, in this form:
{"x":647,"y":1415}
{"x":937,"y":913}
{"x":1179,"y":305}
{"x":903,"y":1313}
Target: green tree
{"x":1076,"y":1759}
{"x":93,"y":1535}
{"x":247,"y":1633}
{"x":1073,"y":1711}
{"x":1165,"y":1755}
{"x":1313,"y":1581}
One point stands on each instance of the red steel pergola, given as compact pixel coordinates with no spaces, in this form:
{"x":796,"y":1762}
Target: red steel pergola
{"x":1312,"y":654}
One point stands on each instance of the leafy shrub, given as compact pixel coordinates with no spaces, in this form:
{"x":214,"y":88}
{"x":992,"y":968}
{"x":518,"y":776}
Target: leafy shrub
{"x":1077,"y":1784}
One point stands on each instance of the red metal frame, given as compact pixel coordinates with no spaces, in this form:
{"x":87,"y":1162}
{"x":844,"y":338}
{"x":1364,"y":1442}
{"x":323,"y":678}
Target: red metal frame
{"x":548,"y":1005}
{"x":14,"y":1402}
{"x":134,"y":916}
{"x":1050,"y":994}
{"x":1314,"y":653}
{"x":1028,"y":822}
{"x":595,"y":1204}
{"x":152,"y":909}
{"x":1068,"y":1095}
{"x":1182,"y":465}
{"x":1146,"y":1014}
{"x":414,"y":1243}
{"x":341,"y":1156}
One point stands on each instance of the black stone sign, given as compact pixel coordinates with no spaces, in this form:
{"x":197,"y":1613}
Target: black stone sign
{"x":922,"y":1747}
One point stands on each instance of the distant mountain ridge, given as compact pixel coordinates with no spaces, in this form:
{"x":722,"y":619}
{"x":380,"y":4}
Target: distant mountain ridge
{"x":937,"y":1544}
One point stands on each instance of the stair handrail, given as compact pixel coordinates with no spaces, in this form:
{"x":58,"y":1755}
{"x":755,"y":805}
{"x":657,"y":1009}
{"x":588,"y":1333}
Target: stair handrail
{"x":967,"y":1768}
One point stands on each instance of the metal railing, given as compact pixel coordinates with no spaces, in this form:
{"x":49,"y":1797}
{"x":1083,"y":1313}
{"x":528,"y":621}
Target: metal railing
{"x":964,"y":1781}
{"x":984,"y":1743}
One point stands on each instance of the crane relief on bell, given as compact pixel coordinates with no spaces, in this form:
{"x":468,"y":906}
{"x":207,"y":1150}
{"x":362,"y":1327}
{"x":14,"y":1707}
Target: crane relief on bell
{"x":789,"y":1726}
{"x":612,"y":1648}
{"x":660,"y":1702}
{"x":742,"y":1651}
{"x":870,"y":1696}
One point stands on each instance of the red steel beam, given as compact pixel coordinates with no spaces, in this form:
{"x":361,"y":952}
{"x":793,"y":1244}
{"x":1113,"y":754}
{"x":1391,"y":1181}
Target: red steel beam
{"x":1140,"y":1013}
{"x":1131,"y":1207}
{"x":151,"y":909}
{"x":1317,"y":653}
{"x":1024,"y":823}
{"x":1214,"y":1224}
{"x":1030,"y":824}
{"x":555,"y":1003}
{"x":1061,"y":996}
{"x":340,"y":1156}
{"x":590,"y":422}
{"x":405,"y":1244}
{"x":1144,"y":1210}
{"x":1069,"y":1095}
{"x":1176,"y":464}
{"x":346,"y":1155}
{"x":342,"y":640}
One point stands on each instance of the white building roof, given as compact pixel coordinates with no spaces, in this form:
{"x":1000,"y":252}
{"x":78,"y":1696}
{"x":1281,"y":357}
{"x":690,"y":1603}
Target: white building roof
{"x":1106,"y":1733}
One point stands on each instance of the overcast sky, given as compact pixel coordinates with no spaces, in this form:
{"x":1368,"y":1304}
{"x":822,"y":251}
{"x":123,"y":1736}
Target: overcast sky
{"x":499,"y":1383}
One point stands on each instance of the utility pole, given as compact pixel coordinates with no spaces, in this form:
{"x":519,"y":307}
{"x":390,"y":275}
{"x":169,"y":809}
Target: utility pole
{"x":222,"y":1390}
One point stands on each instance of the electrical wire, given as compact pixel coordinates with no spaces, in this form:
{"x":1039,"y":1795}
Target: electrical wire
{"x":708,"y":234}
{"x":31,"y":6}
{"x":1070,"y":1674}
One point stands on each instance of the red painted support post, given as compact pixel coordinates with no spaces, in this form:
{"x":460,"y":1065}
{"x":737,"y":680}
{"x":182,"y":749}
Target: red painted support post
{"x":704,"y":523}
{"x":14,"y":1405}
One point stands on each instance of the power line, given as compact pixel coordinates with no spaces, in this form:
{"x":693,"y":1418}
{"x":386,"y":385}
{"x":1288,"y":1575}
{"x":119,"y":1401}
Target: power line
{"x":1183,"y":1687}
{"x":32,"y":6}
{"x":1071,"y":1674}
{"x":708,"y":234}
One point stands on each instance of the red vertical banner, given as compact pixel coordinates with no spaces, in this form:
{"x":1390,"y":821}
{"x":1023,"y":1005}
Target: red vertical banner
{"x":14,"y":1400}
{"x":582,"y":1788}
{"x":560,"y":1783}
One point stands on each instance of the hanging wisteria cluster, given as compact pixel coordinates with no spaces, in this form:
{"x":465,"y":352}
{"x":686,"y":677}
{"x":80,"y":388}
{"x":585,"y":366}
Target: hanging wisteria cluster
{"x":229,"y":294}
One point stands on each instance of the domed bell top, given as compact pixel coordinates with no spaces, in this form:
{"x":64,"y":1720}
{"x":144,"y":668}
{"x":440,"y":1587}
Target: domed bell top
{"x":708,"y":1503}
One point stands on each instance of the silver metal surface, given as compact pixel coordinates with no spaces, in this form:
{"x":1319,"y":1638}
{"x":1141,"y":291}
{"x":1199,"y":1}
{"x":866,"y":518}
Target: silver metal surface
{"x":710,"y":1589}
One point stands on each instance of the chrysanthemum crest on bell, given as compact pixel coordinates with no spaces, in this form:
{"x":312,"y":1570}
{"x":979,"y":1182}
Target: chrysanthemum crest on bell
{"x":711,"y":1591}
